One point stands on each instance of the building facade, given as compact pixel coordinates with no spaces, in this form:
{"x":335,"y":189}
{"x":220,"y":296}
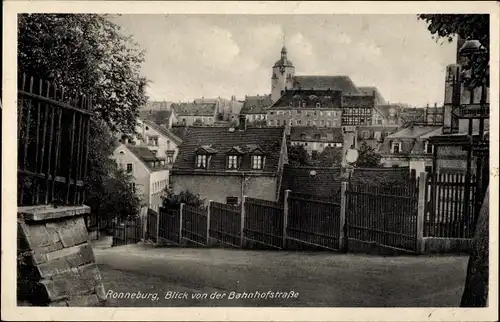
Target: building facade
{"x":255,"y":109}
{"x":315,"y":139}
{"x":220,"y":163}
{"x":321,"y":108}
{"x":198,"y":114}
{"x":150,"y":173}
{"x":160,"y":140}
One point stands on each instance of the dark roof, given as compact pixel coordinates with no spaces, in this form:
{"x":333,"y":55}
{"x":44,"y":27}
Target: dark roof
{"x":358,"y":100}
{"x":294,"y":98}
{"x":163,"y":130}
{"x":342,"y":83}
{"x":369,"y":90}
{"x":146,"y":156}
{"x":316,"y":134}
{"x":194,"y":109}
{"x":256,"y":104}
{"x":221,"y":140}
{"x":415,"y":114}
{"x":155,"y":115}
{"x":157,"y":105}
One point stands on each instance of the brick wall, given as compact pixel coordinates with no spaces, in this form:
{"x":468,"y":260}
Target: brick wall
{"x":56,"y":264}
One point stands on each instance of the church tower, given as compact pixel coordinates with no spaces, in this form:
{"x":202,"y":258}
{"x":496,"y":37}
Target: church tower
{"x":282,"y":78}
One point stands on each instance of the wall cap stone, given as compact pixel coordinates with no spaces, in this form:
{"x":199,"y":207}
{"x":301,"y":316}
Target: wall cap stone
{"x":49,"y":212}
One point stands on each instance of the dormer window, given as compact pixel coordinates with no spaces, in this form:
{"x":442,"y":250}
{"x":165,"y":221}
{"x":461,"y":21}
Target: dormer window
{"x":257,"y":162}
{"x":201,"y":161}
{"x":396,"y":147}
{"x":232,"y":162}
{"x":318,"y":104}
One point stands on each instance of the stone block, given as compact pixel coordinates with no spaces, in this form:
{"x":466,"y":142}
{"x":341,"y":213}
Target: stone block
{"x":75,"y":282}
{"x":70,"y":232}
{"x":85,"y":300}
{"x":64,"y":260}
{"x":44,"y":213}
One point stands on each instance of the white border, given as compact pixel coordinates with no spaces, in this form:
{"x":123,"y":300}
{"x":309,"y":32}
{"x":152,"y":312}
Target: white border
{"x":9,"y":229}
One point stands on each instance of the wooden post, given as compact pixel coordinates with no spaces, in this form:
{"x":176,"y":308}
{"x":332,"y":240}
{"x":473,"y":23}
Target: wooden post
{"x":208,"y":222}
{"x":343,"y":211}
{"x":181,"y":214}
{"x":285,"y":217}
{"x":421,"y":212}
{"x":242,"y":222}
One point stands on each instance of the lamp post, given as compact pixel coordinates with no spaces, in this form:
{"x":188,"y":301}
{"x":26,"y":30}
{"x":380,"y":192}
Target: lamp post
{"x":473,"y":51}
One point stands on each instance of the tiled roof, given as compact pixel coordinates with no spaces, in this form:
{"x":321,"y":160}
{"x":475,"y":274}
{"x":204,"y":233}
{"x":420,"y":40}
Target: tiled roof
{"x":369,"y":90}
{"x":157,"y":105}
{"x":180,"y":131}
{"x":146,"y":156}
{"x":155,"y":115}
{"x":193,"y":109}
{"x":164,"y":131}
{"x":221,"y":140}
{"x":412,"y":132}
{"x":256,"y":104}
{"x":372,"y":132}
{"x":316,"y":134}
{"x":294,"y":98}
{"x":356,"y":100}
{"x":342,"y":83}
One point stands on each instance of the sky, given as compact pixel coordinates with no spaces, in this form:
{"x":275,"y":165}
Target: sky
{"x":194,"y":56}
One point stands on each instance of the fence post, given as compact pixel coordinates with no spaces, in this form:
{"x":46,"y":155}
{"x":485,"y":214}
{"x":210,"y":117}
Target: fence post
{"x":285,"y":217}
{"x":343,"y":211}
{"x":208,"y":222}
{"x":181,"y":214}
{"x":421,"y":212}
{"x":157,"y":226}
{"x":242,"y":222}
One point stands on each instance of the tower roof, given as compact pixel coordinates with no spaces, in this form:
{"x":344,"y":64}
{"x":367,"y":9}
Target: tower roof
{"x":283,"y":61}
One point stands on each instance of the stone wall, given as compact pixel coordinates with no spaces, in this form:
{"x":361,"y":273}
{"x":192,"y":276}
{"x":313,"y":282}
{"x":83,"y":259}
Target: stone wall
{"x":56,"y":264}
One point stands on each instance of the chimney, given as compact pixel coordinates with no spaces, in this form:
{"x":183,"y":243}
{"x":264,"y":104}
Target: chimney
{"x":435,"y":104}
{"x":243,"y":123}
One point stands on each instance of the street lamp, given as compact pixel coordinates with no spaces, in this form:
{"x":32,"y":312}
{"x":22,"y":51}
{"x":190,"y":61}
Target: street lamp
{"x":474,"y":53}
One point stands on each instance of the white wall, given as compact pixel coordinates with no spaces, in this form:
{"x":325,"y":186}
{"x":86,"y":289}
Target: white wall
{"x":158,"y":181}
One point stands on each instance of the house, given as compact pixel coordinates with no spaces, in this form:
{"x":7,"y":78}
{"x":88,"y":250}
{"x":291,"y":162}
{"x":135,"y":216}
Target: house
{"x":409,"y":144}
{"x":255,"y":109}
{"x":227,"y":109}
{"x":220,"y":163}
{"x":385,"y":115}
{"x":310,"y":107}
{"x":162,"y":117}
{"x":160,"y":140}
{"x":150,"y":173}
{"x":316,"y":139}
{"x":203,"y":114}
{"x":367,"y":90}
{"x":357,"y":109}
{"x":374,"y":135}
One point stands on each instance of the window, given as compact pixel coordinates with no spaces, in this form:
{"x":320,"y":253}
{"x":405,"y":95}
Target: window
{"x":396,"y":147}
{"x":133,"y":187}
{"x":329,"y":123}
{"x":257,"y":161}
{"x":170,"y":159}
{"x":201,"y":161}
{"x":153,"y":140}
{"x":329,"y":113}
{"x":318,"y":105}
{"x":428,"y":169}
{"x":429,"y":148}
{"x":379,"y":122}
{"x":322,"y":122}
{"x":298,"y":122}
{"x":129,"y":168}
{"x":232,"y":162}
{"x":365,"y":135}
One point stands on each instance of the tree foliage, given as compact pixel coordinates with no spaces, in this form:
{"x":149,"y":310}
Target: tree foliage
{"x":87,"y":54}
{"x":298,"y":156}
{"x":173,"y":201}
{"x":368,"y":157}
{"x":467,"y":26}
{"x":329,"y":157}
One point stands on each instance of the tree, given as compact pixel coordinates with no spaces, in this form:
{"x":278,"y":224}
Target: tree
{"x":467,"y":26}
{"x":367,"y":156}
{"x":173,"y":201}
{"x":87,"y":54}
{"x":298,"y":156}
{"x":329,"y":157}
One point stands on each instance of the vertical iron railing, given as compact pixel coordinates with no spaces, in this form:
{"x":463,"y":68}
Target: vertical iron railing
{"x":53,"y":144}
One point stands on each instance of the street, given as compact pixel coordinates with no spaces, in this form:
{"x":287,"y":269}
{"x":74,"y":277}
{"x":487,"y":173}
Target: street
{"x":309,"y":279}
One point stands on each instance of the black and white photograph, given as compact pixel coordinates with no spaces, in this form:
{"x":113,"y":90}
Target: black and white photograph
{"x":253,"y":160}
